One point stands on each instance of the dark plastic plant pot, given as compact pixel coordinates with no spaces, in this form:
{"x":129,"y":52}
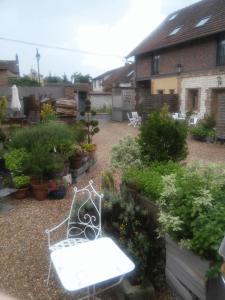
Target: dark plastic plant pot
{"x":60,"y":193}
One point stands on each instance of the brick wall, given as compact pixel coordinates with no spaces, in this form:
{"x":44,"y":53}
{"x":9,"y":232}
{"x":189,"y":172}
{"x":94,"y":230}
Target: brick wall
{"x":205,"y":85}
{"x":3,"y":78}
{"x":143,"y":67}
{"x":69,"y":92}
{"x":194,"y":57}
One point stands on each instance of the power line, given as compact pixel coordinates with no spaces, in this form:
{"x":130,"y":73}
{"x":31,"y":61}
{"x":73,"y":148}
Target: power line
{"x":58,"y":48}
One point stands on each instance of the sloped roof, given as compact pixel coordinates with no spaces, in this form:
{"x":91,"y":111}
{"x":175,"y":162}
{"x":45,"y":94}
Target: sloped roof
{"x":10,"y":65}
{"x":120,"y":75}
{"x":187,"y":18}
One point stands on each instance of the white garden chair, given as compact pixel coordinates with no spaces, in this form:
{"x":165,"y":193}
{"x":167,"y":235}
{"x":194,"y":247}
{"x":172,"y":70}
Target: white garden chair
{"x":193,"y":121}
{"x":134,"y":119}
{"x":84,"y":258}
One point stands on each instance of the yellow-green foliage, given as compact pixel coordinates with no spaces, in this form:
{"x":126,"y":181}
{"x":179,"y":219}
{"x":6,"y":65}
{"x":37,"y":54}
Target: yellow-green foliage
{"x":3,"y":106}
{"x":47,"y":113}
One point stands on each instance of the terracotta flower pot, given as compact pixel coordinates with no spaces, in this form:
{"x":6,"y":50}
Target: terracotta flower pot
{"x":92,"y":152}
{"x":40,"y":191}
{"x":76,"y":161}
{"x":21,"y":193}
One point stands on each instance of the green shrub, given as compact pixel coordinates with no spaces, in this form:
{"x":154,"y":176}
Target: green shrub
{"x":17,"y":160}
{"x":79,"y":132}
{"x":162,"y":138}
{"x":56,"y":136}
{"x":193,"y":210}
{"x":204,"y":129}
{"x":200,"y":132}
{"x":48,"y":145}
{"x":3,"y":107}
{"x":21,"y":181}
{"x":136,"y":233}
{"x":126,"y":153}
{"x":90,"y":124}
{"x":48,"y":113}
{"x":148,"y":180}
{"x":43,"y":162}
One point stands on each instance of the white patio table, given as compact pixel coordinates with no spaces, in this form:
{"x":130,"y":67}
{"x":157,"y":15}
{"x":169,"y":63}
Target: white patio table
{"x":90,"y":263}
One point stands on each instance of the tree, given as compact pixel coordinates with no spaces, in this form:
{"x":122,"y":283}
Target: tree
{"x":80,"y":78}
{"x":25,"y":80}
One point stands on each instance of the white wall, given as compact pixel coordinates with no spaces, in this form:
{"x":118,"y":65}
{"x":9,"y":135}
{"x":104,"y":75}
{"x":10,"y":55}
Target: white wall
{"x":204,"y":84}
{"x":100,"y":100}
{"x":97,"y":85}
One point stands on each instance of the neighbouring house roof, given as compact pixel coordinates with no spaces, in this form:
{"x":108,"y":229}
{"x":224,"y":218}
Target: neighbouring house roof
{"x":124,"y":74}
{"x":10,"y":65}
{"x":82,"y":87}
{"x":121,"y":75}
{"x":192,"y":23}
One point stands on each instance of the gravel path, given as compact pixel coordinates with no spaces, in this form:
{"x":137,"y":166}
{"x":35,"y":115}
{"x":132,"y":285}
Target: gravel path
{"x":23,"y":248}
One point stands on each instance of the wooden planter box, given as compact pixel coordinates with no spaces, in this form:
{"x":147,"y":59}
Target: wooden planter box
{"x":78,"y":173}
{"x":185,"y":273}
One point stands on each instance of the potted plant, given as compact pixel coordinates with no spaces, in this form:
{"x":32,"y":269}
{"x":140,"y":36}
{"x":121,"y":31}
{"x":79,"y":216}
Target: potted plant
{"x":56,"y":189}
{"x":42,"y":161}
{"x":76,"y":160}
{"x":49,"y":147}
{"x":22,"y":184}
{"x":90,"y":149}
{"x":193,"y":218}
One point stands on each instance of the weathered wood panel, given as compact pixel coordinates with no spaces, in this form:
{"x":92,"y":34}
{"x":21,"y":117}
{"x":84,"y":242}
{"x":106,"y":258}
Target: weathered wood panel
{"x":154,"y":102}
{"x":188,"y":268}
{"x":220,"y":126}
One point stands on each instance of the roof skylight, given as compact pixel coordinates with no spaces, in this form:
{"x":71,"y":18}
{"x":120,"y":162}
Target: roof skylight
{"x":175,"y":31}
{"x":202,"y":22}
{"x":173,"y":17}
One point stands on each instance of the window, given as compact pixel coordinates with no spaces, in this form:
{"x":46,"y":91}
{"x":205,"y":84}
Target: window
{"x":160,"y":92}
{"x":155,"y":65}
{"x":173,"y":17}
{"x":192,"y":100}
{"x":172,"y":92}
{"x":202,"y":22}
{"x":221,"y":52}
{"x":175,"y":31}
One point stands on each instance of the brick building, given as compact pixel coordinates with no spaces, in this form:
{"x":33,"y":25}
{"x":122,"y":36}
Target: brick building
{"x":8,"y":68}
{"x":185,"y":55}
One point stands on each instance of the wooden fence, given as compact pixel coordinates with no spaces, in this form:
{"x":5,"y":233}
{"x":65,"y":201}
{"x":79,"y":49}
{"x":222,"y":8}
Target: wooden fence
{"x":154,"y":102}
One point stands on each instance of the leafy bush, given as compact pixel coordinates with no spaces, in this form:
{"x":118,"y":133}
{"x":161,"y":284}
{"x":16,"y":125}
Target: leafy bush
{"x":162,"y":138}
{"x":56,"y":136}
{"x":193,"y":210}
{"x":21,"y":181}
{"x":136,"y":234}
{"x":3,"y":107}
{"x":47,"y":113}
{"x":126,"y":153}
{"x":43,"y":162}
{"x":23,"y":81}
{"x":204,"y":129}
{"x":90,"y":124}
{"x":79,"y":132}
{"x":49,"y":145}
{"x":199,"y":132}
{"x":148,"y":180}
{"x":17,"y":160}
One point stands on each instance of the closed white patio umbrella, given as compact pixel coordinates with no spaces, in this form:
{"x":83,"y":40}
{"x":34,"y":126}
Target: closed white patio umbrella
{"x":15,"y":103}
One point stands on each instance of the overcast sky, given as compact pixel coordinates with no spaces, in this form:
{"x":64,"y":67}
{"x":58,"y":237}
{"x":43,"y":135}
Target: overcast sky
{"x":108,"y":27}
